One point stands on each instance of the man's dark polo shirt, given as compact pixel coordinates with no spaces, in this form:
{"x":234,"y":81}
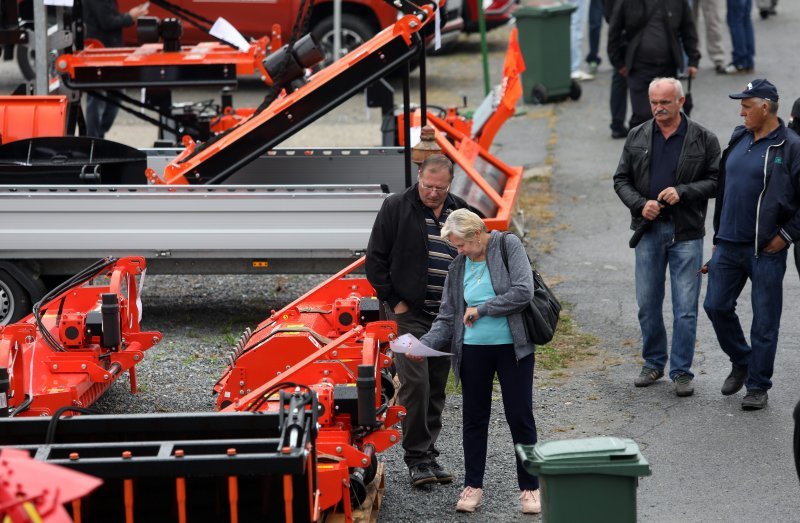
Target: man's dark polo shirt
{"x":664,"y":161}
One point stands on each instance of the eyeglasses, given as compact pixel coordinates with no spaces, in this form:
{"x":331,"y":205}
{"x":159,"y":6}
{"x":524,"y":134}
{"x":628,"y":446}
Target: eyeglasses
{"x":432,"y":188}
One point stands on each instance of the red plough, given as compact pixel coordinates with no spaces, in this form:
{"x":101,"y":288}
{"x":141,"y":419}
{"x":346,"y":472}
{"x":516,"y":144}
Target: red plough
{"x":79,"y":339}
{"x":331,"y":341}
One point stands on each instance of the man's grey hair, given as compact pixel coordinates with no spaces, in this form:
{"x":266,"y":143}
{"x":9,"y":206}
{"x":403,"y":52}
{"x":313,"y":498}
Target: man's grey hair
{"x":437,"y":162}
{"x":464,"y":224}
{"x":772,"y":106}
{"x":677,"y":86}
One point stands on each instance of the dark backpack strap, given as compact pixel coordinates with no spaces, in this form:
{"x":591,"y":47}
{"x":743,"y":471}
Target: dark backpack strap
{"x":503,"y":251}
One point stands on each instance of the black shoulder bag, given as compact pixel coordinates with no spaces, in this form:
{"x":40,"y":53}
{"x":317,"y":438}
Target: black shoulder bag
{"x":541,"y":315}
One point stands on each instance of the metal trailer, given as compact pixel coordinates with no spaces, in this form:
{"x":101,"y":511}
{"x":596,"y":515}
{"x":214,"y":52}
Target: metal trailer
{"x":236,"y":204}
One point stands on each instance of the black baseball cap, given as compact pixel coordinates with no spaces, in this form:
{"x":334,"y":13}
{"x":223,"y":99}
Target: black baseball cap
{"x":758,"y":88}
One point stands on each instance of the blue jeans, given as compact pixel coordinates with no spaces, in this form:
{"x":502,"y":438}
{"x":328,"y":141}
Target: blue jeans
{"x":595,"y":26}
{"x":730,"y":267}
{"x":577,"y":27}
{"x":740,"y":24}
{"x":100,"y":116}
{"x":657,"y":250}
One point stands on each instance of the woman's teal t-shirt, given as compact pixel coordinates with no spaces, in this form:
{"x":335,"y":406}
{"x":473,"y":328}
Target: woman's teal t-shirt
{"x":487,"y":330}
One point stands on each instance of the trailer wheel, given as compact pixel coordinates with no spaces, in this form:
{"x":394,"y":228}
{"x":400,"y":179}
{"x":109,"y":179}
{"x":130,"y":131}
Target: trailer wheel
{"x":14,"y":301}
{"x":26,"y":60}
{"x":355,"y":31}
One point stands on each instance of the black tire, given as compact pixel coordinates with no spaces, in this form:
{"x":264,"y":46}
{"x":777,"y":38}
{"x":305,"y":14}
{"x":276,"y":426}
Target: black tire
{"x":15,"y":303}
{"x":764,"y":13}
{"x":575,"y":90}
{"x":26,"y":60}
{"x":539,"y":94}
{"x":355,"y":31}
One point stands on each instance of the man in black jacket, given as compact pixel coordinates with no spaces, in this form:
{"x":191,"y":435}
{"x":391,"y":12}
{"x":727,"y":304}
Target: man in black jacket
{"x":756,"y":218}
{"x":104,"y":22}
{"x":667,"y":173}
{"x":618,"y":101}
{"x":407,"y":262}
{"x":644,"y":42}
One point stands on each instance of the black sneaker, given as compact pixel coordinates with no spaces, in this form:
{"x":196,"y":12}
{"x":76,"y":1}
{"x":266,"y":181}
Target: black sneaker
{"x":755,"y":400}
{"x":735,"y":380}
{"x":442,"y":476}
{"x":647,"y":377}
{"x":684,"y":386}
{"x":421,"y":474}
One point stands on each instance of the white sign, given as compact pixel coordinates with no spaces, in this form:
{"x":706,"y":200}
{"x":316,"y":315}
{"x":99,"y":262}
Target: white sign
{"x":223,"y":30}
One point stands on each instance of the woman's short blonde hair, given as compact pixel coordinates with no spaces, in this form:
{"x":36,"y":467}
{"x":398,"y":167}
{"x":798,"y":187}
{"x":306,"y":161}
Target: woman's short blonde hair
{"x":464,"y":224}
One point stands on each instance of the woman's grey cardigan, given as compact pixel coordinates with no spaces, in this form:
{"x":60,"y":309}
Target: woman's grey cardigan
{"x":514,"y":289}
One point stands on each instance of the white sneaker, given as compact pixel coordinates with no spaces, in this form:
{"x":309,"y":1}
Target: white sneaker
{"x":531,"y":503}
{"x":581,"y":76}
{"x":469,"y":500}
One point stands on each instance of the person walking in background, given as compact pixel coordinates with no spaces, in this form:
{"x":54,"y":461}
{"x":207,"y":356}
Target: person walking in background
{"x":104,"y":22}
{"x":666,"y":174}
{"x":618,"y":99}
{"x":577,"y":28}
{"x":481,"y":322}
{"x":756,"y":217}
{"x":766,"y":8}
{"x":406,"y":263}
{"x":593,"y":59}
{"x":794,"y":126}
{"x":713,"y":24}
{"x":740,"y":24}
{"x":645,"y":38}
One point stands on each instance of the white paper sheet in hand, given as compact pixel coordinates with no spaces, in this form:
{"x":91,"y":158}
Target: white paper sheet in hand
{"x":223,"y":30}
{"x":409,"y":344}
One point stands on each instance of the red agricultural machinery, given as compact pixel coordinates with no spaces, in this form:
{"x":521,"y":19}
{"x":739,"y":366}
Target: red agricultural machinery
{"x":306,"y":400}
{"x":306,"y":407}
{"x":79,"y":339}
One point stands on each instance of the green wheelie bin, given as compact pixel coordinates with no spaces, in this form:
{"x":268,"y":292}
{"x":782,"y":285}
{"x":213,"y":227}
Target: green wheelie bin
{"x":592,"y":479}
{"x":544,"y":39}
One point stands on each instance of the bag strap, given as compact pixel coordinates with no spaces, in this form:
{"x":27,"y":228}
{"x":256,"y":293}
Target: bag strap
{"x":503,"y":251}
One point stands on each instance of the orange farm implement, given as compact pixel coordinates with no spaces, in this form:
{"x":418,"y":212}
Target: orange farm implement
{"x":79,"y":339}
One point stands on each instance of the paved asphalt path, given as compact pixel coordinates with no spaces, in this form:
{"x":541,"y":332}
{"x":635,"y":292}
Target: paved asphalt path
{"x":711,"y":461}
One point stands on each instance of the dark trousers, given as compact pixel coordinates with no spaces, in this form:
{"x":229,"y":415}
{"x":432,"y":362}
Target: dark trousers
{"x":421,"y":392}
{"x":619,"y":100}
{"x":595,"y":26}
{"x":639,"y":78}
{"x":478,"y":367}
{"x":797,"y":438}
{"x":731,"y":266}
{"x":100,"y":116}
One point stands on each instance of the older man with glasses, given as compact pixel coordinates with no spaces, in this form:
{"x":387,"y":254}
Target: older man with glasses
{"x":407,"y":261}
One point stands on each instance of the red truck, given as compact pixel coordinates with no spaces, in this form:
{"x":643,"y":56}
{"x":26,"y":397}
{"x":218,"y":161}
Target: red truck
{"x":361,"y":19}
{"x":495,"y":12}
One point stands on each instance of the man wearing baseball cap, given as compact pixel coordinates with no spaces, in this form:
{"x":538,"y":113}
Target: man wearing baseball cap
{"x":755,"y":220}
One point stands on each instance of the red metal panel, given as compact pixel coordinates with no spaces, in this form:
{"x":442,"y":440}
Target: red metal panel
{"x":24,"y":117}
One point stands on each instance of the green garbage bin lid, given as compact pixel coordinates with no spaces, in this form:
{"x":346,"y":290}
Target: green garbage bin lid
{"x":601,"y":455}
{"x":545,"y":9}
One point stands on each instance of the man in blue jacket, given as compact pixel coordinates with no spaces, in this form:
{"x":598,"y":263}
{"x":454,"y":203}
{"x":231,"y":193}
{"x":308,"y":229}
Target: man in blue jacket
{"x":755,"y":221}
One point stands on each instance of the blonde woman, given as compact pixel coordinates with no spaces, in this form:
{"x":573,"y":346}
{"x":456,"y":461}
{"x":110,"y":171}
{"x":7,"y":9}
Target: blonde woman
{"x":481,"y":313}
